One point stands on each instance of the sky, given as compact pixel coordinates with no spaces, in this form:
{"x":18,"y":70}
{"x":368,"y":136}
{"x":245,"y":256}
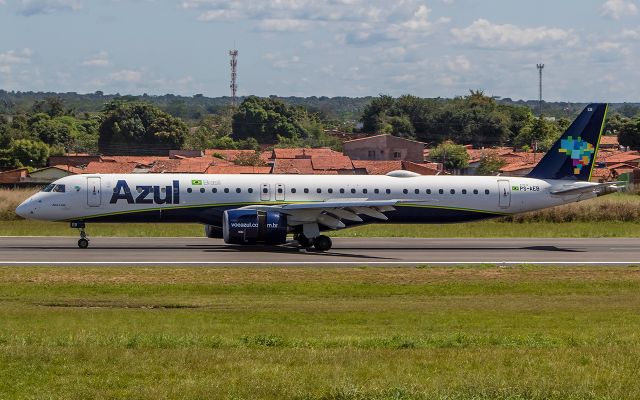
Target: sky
{"x":432,"y":48}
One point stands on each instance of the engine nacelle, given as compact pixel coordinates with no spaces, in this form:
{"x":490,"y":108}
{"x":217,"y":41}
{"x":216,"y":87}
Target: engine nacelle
{"x":213,"y":232}
{"x":252,"y":227}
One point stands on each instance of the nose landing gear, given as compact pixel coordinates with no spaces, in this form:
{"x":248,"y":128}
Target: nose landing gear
{"x":83,"y":242}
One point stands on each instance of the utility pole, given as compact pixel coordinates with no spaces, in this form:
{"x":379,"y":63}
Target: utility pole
{"x":234,"y":75}
{"x":540,"y":68}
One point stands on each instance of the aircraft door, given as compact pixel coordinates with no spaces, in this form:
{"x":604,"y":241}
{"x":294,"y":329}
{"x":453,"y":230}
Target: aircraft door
{"x":279,"y":191}
{"x":505,"y":193}
{"x":94,"y":198}
{"x":265,"y":192}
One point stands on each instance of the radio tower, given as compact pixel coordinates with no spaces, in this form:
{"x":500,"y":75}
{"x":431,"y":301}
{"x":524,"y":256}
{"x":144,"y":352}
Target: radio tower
{"x":540,"y":67}
{"x":234,"y":75}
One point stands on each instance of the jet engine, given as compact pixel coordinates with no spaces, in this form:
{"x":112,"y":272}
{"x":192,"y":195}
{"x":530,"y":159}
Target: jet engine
{"x":252,"y":227}
{"x":213,"y":232}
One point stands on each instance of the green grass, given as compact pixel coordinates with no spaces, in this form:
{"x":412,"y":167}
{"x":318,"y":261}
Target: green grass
{"x":320,"y":333}
{"x":492,"y":228}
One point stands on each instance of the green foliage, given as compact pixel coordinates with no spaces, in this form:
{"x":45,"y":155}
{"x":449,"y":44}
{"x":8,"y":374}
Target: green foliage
{"x":629,"y":133}
{"x":453,"y":157}
{"x":490,"y":163}
{"x":539,"y":133}
{"x":267,"y":119}
{"x":475,"y":119}
{"x":249,"y":159}
{"x":30,"y":152}
{"x":139,"y":128}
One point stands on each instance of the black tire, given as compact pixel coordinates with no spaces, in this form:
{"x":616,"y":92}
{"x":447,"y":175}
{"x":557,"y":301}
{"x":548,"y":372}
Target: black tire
{"x":83,"y":243}
{"x":304,"y":241}
{"x":322,"y":243}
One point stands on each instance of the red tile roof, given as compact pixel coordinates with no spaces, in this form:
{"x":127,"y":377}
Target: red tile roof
{"x":70,"y":168}
{"x":609,"y":141}
{"x":238,"y":169}
{"x":293,"y":166}
{"x":96,"y":167}
{"x":623,"y":157}
{"x":377,"y":167}
{"x":331,"y":162}
{"x":185,"y":165}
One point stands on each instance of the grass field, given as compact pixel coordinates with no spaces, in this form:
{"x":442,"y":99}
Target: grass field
{"x":474,"y":229}
{"x":309,"y":333}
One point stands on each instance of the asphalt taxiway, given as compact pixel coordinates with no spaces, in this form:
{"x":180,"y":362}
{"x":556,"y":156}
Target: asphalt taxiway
{"x":345,"y":251}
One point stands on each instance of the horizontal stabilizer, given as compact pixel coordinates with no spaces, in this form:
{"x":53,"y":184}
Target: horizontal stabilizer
{"x":586,"y":188}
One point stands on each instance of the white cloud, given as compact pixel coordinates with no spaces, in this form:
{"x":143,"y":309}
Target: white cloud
{"x":2,"y":2}
{"x":483,"y":33}
{"x":283,"y":25}
{"x":36,"y":7}
{"x":98,"y":60}
{"x":633,"y":34}
{"x":619,"y":8}
{"x":126,"y":75}
{"x":16,"y":57}
{"x":458,"y":63}
{"x":279,"y":61}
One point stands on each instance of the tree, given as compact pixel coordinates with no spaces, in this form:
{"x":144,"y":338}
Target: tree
{"x":267,"y":118}
{"x":139,"y":128}
{"x":30,"y":153}
{"x":249,"y":159}
{"x":490,"y":163}
{"x":540,"y":134}
{"x":454,"y":157}
{"x":629,"y":133}
{"x":52,"y":106}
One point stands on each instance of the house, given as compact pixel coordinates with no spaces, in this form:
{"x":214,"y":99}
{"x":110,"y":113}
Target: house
{"x":385,"y":148}
{"x":13,"y":177}
{"x":47,"y":175}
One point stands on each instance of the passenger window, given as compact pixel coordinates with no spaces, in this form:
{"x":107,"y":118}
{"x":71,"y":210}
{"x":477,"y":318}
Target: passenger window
{"x":376,"y":191}
{"x":486,"y":191}
{"x":342,"y":190}
{"x":306,"y":190}
{"x":364,"y":191}
{"x":388,"y":191}
{"x":452,"y":191}
{"x":250,"y":190}
{"x":214,"y":190}
{"x":441,"y":191}
{"x":318,"y":190}
{"x":265,"y":190}
{"x":279,"y":190}
{"x":238,"y":190}
{"x":293,"y":190}
{"x":226,"y":190}
{"x":405,"y":191}
{"x":189,"y":190}
{"x":201,"y":190}
{"x":353,"y":190}
{"x":464,"y":191}
{"x":417,"y":191}
{"x":428,"y":191}
{"x":330,"y":190}
{"x":475,"y":191}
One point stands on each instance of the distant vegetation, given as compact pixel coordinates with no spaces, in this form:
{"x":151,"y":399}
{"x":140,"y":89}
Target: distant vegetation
{"x":34,"y":126}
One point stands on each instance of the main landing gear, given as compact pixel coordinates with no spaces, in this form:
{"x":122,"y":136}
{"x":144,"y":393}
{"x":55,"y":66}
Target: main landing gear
{"x":320,"y":243}
{"x":83,"y":242}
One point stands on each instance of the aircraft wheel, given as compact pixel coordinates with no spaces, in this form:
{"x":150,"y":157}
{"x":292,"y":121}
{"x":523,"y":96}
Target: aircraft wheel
{"x":83,"y":243}
{"x":322,"y":243}
{"x":304,"y":241}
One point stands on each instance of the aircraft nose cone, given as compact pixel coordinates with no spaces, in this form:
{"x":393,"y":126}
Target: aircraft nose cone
{"x":23,"y":209}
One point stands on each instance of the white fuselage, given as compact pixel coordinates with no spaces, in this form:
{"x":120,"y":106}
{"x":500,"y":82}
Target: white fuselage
{"x":192,"y":197}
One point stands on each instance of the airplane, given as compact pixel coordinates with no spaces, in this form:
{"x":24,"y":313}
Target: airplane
{"x":265,"y":209}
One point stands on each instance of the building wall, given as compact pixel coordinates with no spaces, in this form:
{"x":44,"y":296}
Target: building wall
{"x":384,"y":147}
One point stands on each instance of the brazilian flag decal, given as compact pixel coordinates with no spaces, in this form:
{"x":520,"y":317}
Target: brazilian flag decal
{"x":515,"y":188}
{"x":196,"y":182}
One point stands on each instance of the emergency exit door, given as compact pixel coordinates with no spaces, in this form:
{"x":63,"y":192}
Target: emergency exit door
{"x":279,"y":191}
{"x":94,"y":198}
{"x":505,"y":193}
{"x":265,"y":192}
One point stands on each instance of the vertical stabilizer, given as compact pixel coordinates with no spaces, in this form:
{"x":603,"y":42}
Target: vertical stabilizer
{"x":572,"y":157}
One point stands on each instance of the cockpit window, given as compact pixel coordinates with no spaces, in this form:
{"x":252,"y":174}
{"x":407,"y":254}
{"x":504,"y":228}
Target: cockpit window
{"x":48,"y":188}
{"x":59,"y":189}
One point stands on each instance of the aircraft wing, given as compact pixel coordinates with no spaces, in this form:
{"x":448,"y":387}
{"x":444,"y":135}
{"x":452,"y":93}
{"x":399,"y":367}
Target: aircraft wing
{"x":586,"y":187}
{"x":331,"y":213}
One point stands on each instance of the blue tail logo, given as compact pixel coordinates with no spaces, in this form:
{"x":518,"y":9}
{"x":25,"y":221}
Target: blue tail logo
{"x":579,"y":151}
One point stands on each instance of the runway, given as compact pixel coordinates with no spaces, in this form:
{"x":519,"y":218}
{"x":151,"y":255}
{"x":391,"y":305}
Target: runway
{"x":346,"y":251}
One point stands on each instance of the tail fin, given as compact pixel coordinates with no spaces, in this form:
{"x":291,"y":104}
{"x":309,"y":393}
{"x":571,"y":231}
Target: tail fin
{"x":573,"y":155}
